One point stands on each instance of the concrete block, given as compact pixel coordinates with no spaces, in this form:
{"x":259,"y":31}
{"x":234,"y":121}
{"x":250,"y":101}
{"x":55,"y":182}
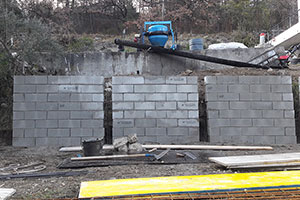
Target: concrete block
{"x":138,"y":131}
{"x":271,"y":96}
{"x":187,"y":88}
{"x":210,"y":79}
{"x":286,"y":140}
{"x":213,"y":114}
{"x":123,"y":123}
{"x":47,"y":141}
{"x":249,"y":80}
{"x":155,"y":97}
{"x":178,"y":131}
{"x":19,"y":80}
{"x":18,"y":133}
{"x":117,"y":132}
{"x":253,"y":114}
{"x":281,"y":88}
{"x":36,"y":115}
{"x":92,"y":106}
{"x":91,"y":89}
{"x":250,"y":96}
{"x":25,"y":88}
{"x":58,"y":115}
{"x":188,"y":123}
{"x":290,"y":131}
{"x":214,"y":131}
{"x":46,"y":106}
{"x":176,"y":80}
{"x":193,"y":114}
{"x":23,"y":142}
{"x":58,"y":133}
{"x":239,"y":105}
{"x":46,"y":123}
{"x":117,"y":97}
{"x":145,"y":123}
{"x":134,"y":97}
{"x":91,"y":123}
{"x":287,"y":97}
{"x":241,"y":122}
{"x":189,"y":105}
{"x":90,"y":80}
{"x":192,"y":80}
{"x":19,"y":97}
{"x":117,"y":80}
{"x":156,"y":131}
{"x":165,"y":106}
{"x":218,"y":123}
{"x":252,"y":131}
{"x":46,"y":89}
{"x":24,"y":106}
{"x":35,"y":132}
{"x":35,"y":97}
{"x":217,"y":105}
{"x":192,"y":97}
{"x":261,"y":105}
{"x":270,"y":80}
{"x":81,"y":132}
{"x":228,"y":96}
{"x":122,"y":106}
{"x":69,"y":123}
{"x":231,"y":131}
{"x":69,"y":106}
{"x":165,"y":123}
{"x":227,"y":79}
{"x":178,"y":114}
{"x":144,"y":105}
{"x":73,"y":141}
{"x":238,"y":88}
{"x":99,"y":132}
{"x":286,"y":80}
{"x":118,"y":115}
{"x":155,"y":80}
{"x":59,"y":80}
{"x":148,"y":139}
{"x":68,"y":89}
{"x":210,"y":96}
{"x":263,"y":122}
{"x":36,"y":79}
{"x":81,"y":97}
{"x":264,"y":140}
{"x":194,"y":132}
{"x":283,"y":105}
{"x":272,"y":114}
{"x":273,"y":131}
{"x":122,"y":89}
{"x":227,"y":114}
{"x":135,"y":80}
{"x":260,"y":88}
{"x":98,"y":97}
{"x":285,"y":122}
{"x":18,"y":115}
{"x":132,"y":114}
{"x":23,"y":124}
{"x":98,"y":115}
{"x":289,"y":114}
{"x":58,"y":97}
{"x":216,"y":88}
{"x":81,"y":115}
{"x":165,"y":88}
{"x":145,"y":88}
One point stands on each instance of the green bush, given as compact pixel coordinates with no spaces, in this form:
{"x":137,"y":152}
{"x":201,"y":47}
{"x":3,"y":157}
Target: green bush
{"x":81,"y":44}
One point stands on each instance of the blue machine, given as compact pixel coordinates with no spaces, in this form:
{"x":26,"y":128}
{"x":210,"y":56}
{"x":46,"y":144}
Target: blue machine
{"x":158,"y":33}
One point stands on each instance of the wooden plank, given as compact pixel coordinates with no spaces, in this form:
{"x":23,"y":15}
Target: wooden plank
{"x":265,"y":159}
{"x":75,"y":149}
{"x":5,"y":193}
{"x":275,"y":165}
{"x":185,"y":184}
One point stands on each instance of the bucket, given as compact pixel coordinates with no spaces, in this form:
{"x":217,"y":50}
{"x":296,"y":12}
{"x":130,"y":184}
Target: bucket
{"x":196,"y":44}
{"x":92,"y":147}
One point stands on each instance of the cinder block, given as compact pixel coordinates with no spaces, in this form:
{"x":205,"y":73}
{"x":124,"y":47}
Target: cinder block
{"x":271,"y":96}
{"x":98,"y":115}
{"x":87,"y":80}
{"x":281,"y":88}
{"x":287,"y":97}
{"x":132,"y":114}
{"x":273,"y":114}
{"x":155,"y":97}
{"x":145,"y":123}
{"x":36,"y":115}
{"x":99,"y":132}
{"x":178,"y":131}
{"x":238,"y":88}
{"x":193,"y":114}
{"x":192,"y":97}
{"x":144,"y":105}
{"x":253,"y":114}
{"x":286,"y":80}
{"x":227,"y":114}
{"x":165,"y":105}
{"x":68,"y":89}
{"x":273,"y":131}
{"x":228,"y":96}
{"x":123,"y":123}
{"x":260,"y":88}
{"x":243,"y":139}
{"x":267,"y":140}
{"x":188,"y":123}
{"x":117,"y":97}
{"x":189,"y":105}
{"x":59,"y":80}
{"x":187,"y":88}
{"x":167,"y":123}
{"x":284,"y":122}
{"x":91,"y":123}
{"x":68,"y":106}
{"x":18,"y":133}
{"x":252,"y":131}
{"x":35,"y":132}
{"x":214,"y":131}
{"x":249,"y":80}
{"x":24,"y":88}
{"x":290,"y":131}
{"x":47,"y":141}
{"x":58,"y":97}
{"x":263,"y":122}
{"x":70,"y":141}
{"x":156,"y":131}
{"x":46,"y":89}
{"x":123,"y":88}
{"x":134,"y":97}
{"x":92,"y":106}
{"x":118,"y":115}
{"x":19,"y":80}
{"x":19,"y":97}
{"x":46,"y":123}
{"x":117,"y":132}
{"x":270,"y":80}
{"x":69,"y":123}
{"x":216,"y":88}
{"x":144,"y":88}
{"x":23,"y":124}
{"x":211,"y":96}
{"x":81,"y":97}
{"x":215,"y":123}
{"x":210,"y":79}
{"x":117,"y":80}
{"x":138,"y":131}
{"x":261,"y":105}
{"x":135,"y":80}
{"x":18,"y":115}
{"x":178,"y":114}
{"x":36,"y":79}
{"x":217,"y":105}
{"x":155,"y":80}
{"x":290,"y":114}
{"x":231,"y":131}
{"x":58,"y":132}
{"x":213,"y":114}
{"x":286,"y":140}
{"x":58,"y":115}
{"x":81,"y":115}
{"x":81,"y":132}
{"x":148,"y":139}
{"x":283,"y":105}
{"x":35,"y":97}
{"x":176,"y":80}
{"x":23,"y":142}
{"x":239,"y":105}
{"x":250,"y":96}
{"x":192,"y":79}
{"x":227,"y":79}
{"x":165,"y":88}
{"x":91,"y":89}
{"x":241,"y":122}
{"x":122,"y":106}
{"x":194,"y":132}
{"x":98,"y":97}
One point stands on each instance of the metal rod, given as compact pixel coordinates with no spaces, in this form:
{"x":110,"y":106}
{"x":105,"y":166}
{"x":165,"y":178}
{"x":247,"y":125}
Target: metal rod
{"x":188,"y":55}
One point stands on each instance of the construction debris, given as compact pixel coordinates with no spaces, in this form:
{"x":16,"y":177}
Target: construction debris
{"x":5,"y":193}
{"x":128,"y":144}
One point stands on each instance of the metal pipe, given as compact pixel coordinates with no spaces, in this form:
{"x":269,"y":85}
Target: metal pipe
{"x":187,"y":54}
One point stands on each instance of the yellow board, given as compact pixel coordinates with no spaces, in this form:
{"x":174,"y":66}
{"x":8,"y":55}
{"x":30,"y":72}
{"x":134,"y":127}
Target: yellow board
{"x":181,"y":184}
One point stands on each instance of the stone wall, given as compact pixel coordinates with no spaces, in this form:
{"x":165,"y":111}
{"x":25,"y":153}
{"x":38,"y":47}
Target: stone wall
{"x":159,"y":109}
{"x":57,"y":110}
{"x":250,"y":109}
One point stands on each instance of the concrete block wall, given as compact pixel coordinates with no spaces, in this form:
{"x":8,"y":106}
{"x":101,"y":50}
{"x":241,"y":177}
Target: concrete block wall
{"x":250,"y":109}
{"x":159,"y":109}
{"x":57,"y":110}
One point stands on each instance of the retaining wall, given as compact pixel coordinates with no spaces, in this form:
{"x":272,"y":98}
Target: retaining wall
{"x":250,"y":109}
